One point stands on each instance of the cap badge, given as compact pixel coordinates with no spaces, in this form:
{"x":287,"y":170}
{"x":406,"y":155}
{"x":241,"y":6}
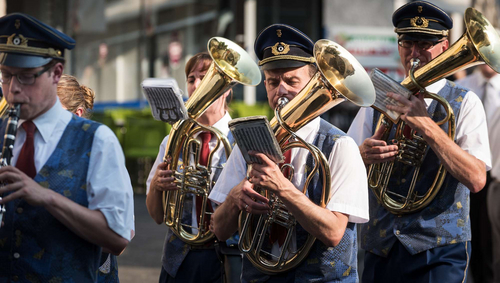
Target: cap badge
{"x":278,"y":33}
{"x":280,"y":48}
{"x":419,"y":9}
{"x":17,"y":40}
{"x":420,"y":22}
{"x":17,"y":24}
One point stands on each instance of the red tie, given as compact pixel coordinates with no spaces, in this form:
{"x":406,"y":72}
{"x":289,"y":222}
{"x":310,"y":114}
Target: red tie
{"x":26,"y":159}
{"x":278,"y":232}
{"x":408,"y":132}
{"x":204,"y":152}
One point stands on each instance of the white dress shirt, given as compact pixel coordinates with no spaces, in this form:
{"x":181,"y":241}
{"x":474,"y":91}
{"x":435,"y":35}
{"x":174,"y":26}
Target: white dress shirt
{"x":488,"y":91}
{"x":348,"y":192}
{"x":471,"y":129}
{"x":494,"y":130}
{"x":109,"y":189}
{"x":220,"y":125}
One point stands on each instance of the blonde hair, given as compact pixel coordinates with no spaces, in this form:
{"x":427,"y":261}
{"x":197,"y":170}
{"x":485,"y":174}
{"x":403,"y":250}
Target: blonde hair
{"x":73,"y":95}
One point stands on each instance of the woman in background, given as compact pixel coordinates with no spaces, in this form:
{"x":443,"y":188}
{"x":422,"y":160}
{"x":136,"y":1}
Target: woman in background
{"x":180,"y":261}
{"x":79,"y":100}
{"x":75,"y":97}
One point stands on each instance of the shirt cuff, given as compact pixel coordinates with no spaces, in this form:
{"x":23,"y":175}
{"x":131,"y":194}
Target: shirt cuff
{"x":356,"y":215}
{"x":116,"y":223}
{"x":217,"y":197}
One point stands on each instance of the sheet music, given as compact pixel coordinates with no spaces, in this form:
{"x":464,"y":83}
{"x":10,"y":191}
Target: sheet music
{"x":255,"y":134}
{"x":165,"y":99}
{"x":384,"y":84}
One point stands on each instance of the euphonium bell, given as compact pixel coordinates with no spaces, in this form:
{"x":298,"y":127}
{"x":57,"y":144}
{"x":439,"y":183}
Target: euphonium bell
{"x":231,"y":65}
{"x":340,"y":77}
{"x":480,"y":43}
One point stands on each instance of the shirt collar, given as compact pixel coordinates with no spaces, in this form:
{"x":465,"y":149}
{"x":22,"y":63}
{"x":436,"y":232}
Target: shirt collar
{"x":46,"y":122}
{"x":495,"y":81}
{"x":437,"y":86}
{"x":309,"y":131}
{"x":222,"y":124}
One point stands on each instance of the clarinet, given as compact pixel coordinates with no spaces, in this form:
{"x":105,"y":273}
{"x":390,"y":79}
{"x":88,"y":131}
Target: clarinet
{"x":8,"y":144}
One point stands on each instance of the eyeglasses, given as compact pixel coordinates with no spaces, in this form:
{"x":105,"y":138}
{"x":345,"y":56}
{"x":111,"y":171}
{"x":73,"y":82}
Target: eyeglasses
{"x":22,"y":78}
{"x":424,"y":45}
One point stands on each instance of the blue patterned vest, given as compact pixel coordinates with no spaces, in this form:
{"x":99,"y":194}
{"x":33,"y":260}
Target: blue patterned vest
{"x":444,"y":221}
{"x":174,"y":249}
{"x":34,"y":245}
{"x":108,"y":269}
{"x":323,"y":264}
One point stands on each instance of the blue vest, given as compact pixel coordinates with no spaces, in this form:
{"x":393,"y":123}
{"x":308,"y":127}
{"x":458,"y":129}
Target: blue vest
{"x":110,"y":267}
{"x":34,"y":245}
{"x":174,"y":249}
{"x":323,"y":263}
{"x":444,"y":221}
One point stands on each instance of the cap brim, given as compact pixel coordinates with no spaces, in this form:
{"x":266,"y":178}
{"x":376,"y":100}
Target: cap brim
{"x":23,"y":61}
{"x":281,"y":64}
{"x":414,"y":36}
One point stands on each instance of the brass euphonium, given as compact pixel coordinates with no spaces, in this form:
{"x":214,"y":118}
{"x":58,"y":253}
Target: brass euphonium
{"x":339,"y":76}
{"x":480,"y":43}
{"x":231,"y":65}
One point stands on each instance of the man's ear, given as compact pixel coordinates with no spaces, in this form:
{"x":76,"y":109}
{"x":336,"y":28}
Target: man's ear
{"x":57,"y":72}
{"x":446,"y":44}
{"x":79,"y":112}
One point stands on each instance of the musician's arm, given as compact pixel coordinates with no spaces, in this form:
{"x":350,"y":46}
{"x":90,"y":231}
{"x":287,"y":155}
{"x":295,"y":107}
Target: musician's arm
{"x":327,"y":226}
{"x":469,"y":170}
{"x":153,"y":195}
{"x":154,"y":205}
{"x":469,"y":158}
{"x":225,"y":217}
{"x":234,"y":193}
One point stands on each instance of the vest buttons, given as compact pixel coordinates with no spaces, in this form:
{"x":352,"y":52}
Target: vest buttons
{"x":19,"y":210}
{"x":18,"y":232}
{"x":15,"y":278}
{"x":17,"y":255}
{"x":397,"y":232}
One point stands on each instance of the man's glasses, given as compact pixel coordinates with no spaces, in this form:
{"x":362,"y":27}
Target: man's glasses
{"x":23,"y":78}
{"x":424,"y":45}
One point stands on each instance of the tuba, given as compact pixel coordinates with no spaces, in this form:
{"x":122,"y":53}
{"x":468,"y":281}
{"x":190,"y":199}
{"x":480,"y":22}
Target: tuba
{"x":340,"y":77}
{"x":480,"y":43}
{"x":231,"y":64}
{"x":9,"y":138}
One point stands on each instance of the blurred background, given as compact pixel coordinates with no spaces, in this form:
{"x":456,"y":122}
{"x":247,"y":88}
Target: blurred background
{"x":122,"y":42}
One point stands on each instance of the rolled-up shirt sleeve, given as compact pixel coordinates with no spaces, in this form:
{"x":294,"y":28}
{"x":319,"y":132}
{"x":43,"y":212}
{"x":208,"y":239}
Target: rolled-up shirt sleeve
{"x":233,"y":173}
{"x":472,"y":130}
{"x":349,"y":187}
{"x":109,"y":189}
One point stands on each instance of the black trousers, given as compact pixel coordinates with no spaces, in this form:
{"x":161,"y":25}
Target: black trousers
{"x":482,"y":254}
{"x":201,"y":265}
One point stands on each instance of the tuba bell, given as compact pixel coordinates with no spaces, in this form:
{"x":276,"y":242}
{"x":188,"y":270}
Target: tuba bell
{"x":340,"y":77}
{"x":479,"y":44}
{"x":231,"y":65}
